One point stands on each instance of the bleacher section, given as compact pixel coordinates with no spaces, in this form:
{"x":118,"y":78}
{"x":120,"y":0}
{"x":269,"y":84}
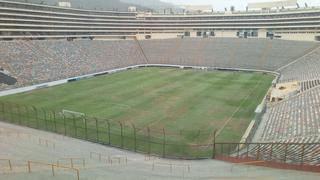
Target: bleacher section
{"x":225,"y":52}
{"x":42,"y":61}
{"x":296,"y":117}
{"x":297,"y":151}
{"x":305,"y":68}
{"x":34,"y":62}
{"x":305,"y":85}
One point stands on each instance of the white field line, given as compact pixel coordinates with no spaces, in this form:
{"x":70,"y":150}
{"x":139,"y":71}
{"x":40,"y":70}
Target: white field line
{"x":237,"y":110}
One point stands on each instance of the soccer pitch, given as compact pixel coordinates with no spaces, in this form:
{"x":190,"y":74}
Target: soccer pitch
{"x":162,"y":98}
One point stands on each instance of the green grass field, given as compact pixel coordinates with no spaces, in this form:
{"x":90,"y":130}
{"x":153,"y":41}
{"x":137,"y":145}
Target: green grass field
{"x":183,"y":102}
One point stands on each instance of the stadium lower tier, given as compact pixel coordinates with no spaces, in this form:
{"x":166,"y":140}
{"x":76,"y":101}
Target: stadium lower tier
{"x":33,"y":62}
{"x":294,"y":119}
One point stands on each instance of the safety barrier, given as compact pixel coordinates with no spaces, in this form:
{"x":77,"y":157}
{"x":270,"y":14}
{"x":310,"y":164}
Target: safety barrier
{"x":53,"y":168}
{"x":47,"y":143}
{"x":298,"y":156}
{"x":7,"y":164}
{"x":114,"y":159}
{"x":160,"y":143}
{"x":171,"y":166}
{"x":72,"y":162}
{"x":17,"y":134}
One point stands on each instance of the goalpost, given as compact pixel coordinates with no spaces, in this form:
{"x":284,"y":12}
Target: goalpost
{"x":71,"y":114}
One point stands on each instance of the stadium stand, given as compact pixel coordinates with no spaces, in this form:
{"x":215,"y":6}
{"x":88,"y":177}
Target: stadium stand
{"x":225,"y":52}
{"x":305,"y":85}
{"x":304,"y":69}
{"x":42,"y":61}
{"x":48,"y":60}
{"x":296,"y":151}
{"x":293,"y":120}
{"x":25,"y":20}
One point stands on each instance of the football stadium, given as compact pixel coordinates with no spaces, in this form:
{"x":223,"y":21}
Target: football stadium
{"x":135,"y":92}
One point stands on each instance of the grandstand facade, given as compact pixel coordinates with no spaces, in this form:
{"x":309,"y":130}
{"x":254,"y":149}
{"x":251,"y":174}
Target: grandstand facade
{"x":22,"y":20}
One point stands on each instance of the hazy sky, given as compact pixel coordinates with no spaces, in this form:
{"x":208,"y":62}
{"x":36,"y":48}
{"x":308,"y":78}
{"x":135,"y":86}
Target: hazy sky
{"x":239,"y":4}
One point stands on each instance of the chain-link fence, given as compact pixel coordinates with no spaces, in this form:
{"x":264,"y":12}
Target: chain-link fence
{"x":159,"y":142}
{"x":183,"y":144}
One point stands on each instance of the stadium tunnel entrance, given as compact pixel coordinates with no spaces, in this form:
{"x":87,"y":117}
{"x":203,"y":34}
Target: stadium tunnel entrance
{"x":6,"y":78}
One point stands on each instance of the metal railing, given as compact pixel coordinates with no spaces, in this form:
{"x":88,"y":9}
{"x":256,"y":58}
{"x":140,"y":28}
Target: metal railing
{"x":159,"y":142}
{"x":183,"y":144}
{"x":286,"y":153}
{"x":31,"y":167}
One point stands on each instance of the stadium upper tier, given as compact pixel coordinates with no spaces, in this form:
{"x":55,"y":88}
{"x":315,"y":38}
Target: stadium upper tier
{"x":29,"y":20}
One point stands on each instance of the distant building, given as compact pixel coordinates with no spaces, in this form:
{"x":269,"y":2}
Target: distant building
{"x":277,"y":4}
{"x":64,"y":3}
{"x":132,"y":9}
{"x":197,"y":8}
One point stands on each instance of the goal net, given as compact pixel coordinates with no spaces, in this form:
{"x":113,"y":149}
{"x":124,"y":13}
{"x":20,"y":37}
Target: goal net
{"x":72,"y":114}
